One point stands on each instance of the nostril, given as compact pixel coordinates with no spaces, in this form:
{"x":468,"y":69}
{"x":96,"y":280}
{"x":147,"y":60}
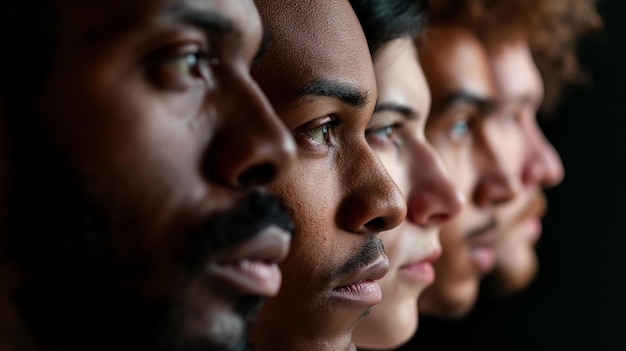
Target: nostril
{"x":258,"y":175}
{"x":377,"y":224}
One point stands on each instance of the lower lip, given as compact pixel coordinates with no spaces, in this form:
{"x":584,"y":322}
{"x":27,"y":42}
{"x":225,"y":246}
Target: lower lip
{"x":483,"y":257}
{"x":421,"y":272}
{"x":366,"y":293}
{"x":248,"y":277}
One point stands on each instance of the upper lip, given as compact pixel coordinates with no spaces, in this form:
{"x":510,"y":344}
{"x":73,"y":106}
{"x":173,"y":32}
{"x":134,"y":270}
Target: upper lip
{"x":375,"y":270}
{"x":271,"y":245}
{"x":431,"y":256}
{"x":485,"y":235}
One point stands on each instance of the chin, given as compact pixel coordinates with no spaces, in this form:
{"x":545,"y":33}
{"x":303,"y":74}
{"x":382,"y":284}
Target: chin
{"x":387,"y":327}
{"x":450,"y":302}
{"x":511,"y":278}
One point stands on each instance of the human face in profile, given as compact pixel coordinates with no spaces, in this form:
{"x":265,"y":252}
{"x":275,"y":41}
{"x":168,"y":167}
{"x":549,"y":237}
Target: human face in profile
{"x":520,"y":88}
{"x":321,"y":81}
{"x":396,"y":133}
{"x":469,"y":137}
{"x":150,"y":228}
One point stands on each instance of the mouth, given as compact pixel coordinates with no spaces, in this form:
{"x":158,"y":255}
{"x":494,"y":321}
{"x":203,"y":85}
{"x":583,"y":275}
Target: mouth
{"x":363,"y":289}
{"x":421,"y":270}
{"x":482,"y":250}
{"x":251,"y":267}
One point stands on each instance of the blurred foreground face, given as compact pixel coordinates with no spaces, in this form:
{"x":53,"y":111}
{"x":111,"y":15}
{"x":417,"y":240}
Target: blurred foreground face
{"x":520,"y":87}
{"x":396,"y":133}
{"x":321,"y":81}
{"x":136,"y":212}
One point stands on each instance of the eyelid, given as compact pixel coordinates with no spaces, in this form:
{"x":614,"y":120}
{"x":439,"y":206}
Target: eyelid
{"x":331,"y":120}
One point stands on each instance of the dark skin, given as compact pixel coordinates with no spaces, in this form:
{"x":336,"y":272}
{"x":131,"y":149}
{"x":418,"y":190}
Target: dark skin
{"x":156,"y":137}
{"x":320,"y":79}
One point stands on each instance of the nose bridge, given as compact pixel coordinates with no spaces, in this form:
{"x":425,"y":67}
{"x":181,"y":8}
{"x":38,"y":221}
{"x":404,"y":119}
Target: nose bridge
{"x":253,"y":147}
{"x":543,"y":166}
{"x":498,"y":166}
{"x":372,"y":201}
{"x":432,"y":199}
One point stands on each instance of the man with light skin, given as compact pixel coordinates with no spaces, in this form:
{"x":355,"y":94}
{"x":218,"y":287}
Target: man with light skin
{"x":319,"y":77}
{"x":138,"y":152}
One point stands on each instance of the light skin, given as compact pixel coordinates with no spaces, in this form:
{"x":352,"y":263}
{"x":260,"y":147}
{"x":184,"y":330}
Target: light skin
{"x":339,"y":192}
{"x":520,"y":87}
{"x":142,"y":114}
{"x":487,"y":152}
{"x":396,"y":133}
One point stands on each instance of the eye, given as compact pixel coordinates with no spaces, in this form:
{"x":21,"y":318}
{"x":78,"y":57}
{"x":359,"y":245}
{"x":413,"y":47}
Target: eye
{"x":321,"y":134}
{"x":459,"y":129}
{"x":384,"y":136}
{"x":181,"y":68}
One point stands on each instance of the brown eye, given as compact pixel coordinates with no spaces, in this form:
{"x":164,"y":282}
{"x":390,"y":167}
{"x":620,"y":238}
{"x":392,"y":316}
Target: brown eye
{"x":383,"y":136}
{"x":323,"y":133}
{"x":181,"y":69}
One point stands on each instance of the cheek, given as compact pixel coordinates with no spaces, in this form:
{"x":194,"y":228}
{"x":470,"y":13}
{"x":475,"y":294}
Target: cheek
{"x":311,"y":196}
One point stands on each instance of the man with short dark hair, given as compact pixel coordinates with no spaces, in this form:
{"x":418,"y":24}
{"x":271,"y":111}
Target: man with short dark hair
{"x":138,"y":150}
{"x":319,"y":77}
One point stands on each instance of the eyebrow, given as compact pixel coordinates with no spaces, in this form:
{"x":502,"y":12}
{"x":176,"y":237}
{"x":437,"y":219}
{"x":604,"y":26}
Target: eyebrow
{"x":485,"y":105}
{"x":334,"y":89}
{"x":209,"y":21}
{"x":405,"y":111}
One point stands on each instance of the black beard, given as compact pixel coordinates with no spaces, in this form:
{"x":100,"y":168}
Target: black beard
{"x":72,"y":296}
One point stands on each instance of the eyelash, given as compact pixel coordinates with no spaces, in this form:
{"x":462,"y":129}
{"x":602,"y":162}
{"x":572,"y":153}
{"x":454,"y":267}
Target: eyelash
{"x":327,"y":130}
{"x":182,"y":68}
{"x":384,"y":136}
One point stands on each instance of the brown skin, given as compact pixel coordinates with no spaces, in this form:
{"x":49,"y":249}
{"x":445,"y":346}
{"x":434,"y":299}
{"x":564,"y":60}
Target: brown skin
{"x":158,"y":144}
{"x":339,"y":192}
{"x":495,"y":153}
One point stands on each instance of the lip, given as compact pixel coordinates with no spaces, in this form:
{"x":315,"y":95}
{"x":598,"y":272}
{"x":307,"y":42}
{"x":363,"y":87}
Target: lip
{"x":363,"y":289}
{"x":421,"y":270}
{"x":482,"y":250}
{"x":251,"y":267}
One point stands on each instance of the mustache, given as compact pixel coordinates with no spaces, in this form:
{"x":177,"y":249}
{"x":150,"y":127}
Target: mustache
{"x":369,"y":251}
{"x":253,"y":213}
{"x":537,"y":206}
{"x":492,"y":224}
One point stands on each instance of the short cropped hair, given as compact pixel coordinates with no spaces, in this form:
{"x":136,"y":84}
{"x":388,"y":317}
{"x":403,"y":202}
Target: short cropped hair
{"x":552,"y":29}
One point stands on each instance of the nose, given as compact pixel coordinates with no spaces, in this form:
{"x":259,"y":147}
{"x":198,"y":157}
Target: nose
{"x":432,"y":198}
{"x":544,"y":166}
{"x":498,"y":180}
{"x":252,"y":147}
{"x":372,"y":202}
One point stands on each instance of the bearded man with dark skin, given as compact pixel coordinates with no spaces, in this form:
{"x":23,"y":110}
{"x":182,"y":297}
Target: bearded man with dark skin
{"x":319,"y":77}
{"x":138,"y":149}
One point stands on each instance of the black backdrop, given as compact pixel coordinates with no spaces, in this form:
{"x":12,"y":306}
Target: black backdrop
{"x":578,"y":301}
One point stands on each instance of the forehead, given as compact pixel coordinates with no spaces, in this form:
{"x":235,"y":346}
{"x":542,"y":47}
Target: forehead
{"x":453,"y":59}
{"x":310,"y":40}
{"x":399,"y":75}
{"x":107,"y":20}
{"x":515,"y":72}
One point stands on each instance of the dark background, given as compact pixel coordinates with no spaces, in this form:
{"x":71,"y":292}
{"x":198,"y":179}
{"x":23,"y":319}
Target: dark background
{"x":578,"y":301}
